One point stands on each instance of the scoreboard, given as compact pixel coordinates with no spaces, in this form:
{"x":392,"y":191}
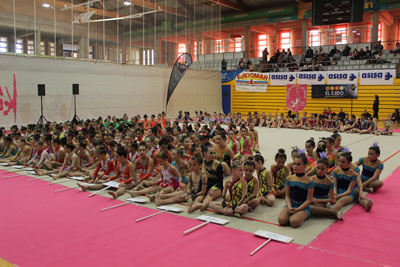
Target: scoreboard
{"x":327,"y":12}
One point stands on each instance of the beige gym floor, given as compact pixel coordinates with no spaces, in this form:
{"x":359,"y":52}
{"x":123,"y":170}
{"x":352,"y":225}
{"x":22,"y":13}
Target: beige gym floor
{"x":270,"y":141}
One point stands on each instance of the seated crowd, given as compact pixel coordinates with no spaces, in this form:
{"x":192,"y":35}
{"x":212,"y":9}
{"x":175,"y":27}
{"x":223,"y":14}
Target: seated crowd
{"x":203,"y":162}
{"x":315,"y":60}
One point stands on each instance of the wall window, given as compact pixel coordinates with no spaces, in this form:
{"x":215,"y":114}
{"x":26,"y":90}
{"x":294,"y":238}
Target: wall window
{"x":262,"y":43}
{"x":52,"y":49}
{"x":369,"y":30}
{"x":19,"y":47}
{"x":284,"y":39}
{"x":152,"y":56}
{"x":91,"y":52}
{"x":219,"y":46}
{"x":181,"y":49}
{"x":3,"y":45}
{"x":42,"y":48}
{"x":340,"y":35}
{"x":238,"y":44}
{"x":144,"y":57}
{"x":314,"y":38}
{"x":31,"y":47}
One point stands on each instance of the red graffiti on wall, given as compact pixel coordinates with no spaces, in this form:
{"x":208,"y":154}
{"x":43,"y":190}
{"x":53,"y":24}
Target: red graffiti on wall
{"x":11,"y":103}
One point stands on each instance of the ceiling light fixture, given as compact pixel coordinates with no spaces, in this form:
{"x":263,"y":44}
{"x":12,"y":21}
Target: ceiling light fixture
{"x":127,"y":3}
{"x":46,"y":5}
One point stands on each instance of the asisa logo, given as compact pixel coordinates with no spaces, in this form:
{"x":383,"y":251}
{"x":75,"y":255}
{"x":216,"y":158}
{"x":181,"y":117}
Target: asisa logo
{"x":321,"y":77}
{"x":291,"y":78}
{"x":279,"y":76}
{"x":307,"y":76}
{"x":338,"y":76}
{"x":372,"y":75}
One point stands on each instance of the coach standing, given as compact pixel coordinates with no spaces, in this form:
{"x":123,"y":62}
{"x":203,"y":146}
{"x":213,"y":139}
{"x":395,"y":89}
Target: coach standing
{"x":375,"y":107}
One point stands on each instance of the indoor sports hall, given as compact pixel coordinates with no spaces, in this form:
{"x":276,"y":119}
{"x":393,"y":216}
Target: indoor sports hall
{"x":98,"y":79}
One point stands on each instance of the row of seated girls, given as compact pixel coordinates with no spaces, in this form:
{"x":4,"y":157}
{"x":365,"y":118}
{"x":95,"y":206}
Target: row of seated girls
{"x":319,"y":122}
{"x":207,"y":167}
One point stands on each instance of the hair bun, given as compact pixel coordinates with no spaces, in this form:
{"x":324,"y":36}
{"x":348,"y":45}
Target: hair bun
{"x":281,"y":150}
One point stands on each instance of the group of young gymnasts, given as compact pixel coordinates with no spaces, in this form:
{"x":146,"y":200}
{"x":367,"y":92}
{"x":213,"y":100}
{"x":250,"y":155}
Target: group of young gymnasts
{"x":327,"y":121}
{"x":206,"y":165}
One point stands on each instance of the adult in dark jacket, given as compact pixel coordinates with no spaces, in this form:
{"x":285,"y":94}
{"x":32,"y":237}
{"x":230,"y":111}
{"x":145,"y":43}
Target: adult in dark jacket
{"x":375,"y":107}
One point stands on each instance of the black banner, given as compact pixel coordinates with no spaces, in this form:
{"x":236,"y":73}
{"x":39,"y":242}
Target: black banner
{"x":181,"y":65}
{"x":334,"y":91}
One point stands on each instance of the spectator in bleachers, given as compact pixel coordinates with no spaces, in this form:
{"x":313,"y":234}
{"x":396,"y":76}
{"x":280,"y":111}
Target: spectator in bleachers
{"x":361,"y":54}
{"x":326,"y":60}
{"x":368,"y":53}
{"x":336,"y":57}
{"x":265,"y":55}
{"x":303,"y":61}
{"x":354,"y":55}
{"x":380,"y":59}
{"x":333,"y":51}
{"x":397,"y":49}
{"x":248,"y":63}
{"x":346,"y":51}
{"x":309,"y":53}
{"x":292,"y":64}
{"x":321,"y":51}
{"x":378,"y":48}
{"x":317,"y":66}
{"x":242,"y":64}
{"x":224,"y":64}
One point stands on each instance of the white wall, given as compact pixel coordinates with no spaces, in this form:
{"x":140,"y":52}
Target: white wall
{"x":105,"y":88}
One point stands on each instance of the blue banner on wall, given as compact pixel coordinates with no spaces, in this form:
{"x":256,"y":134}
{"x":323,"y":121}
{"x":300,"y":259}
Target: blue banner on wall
{"x":227,"y":76}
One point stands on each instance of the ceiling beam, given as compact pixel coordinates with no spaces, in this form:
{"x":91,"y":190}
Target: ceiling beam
{"x":151,"y":5}
{"x":228,"y":3}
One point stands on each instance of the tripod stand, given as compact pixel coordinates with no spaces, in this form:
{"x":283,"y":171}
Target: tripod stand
{"x":75,"y":118}
{"x":42,"y":119}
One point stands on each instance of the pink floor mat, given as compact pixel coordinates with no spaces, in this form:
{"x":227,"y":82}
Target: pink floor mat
{"x":41,"y":228}
{"x":374,"y":237}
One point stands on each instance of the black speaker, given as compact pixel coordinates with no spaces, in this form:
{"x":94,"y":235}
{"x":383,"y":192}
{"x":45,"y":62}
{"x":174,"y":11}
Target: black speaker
{"x":41,"y":90}
{"x":75,"y":89}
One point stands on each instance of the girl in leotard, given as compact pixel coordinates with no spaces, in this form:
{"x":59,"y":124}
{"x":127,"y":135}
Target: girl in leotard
{"x":310,"y":153}
{"x":253,"y":185}
{"x":223,"y":152}
{"x":197,"y":184}
{"x":280,"y":172}
{"x":387,"y":126}
{"x":263,"y":121}
{"x":255,"y":145}
{"x":170,"y":180}
{"x":180,"y":165}
{"x":337,"y":141}
{"x":293,"y":154}
{"x":299,"y":190}
{"x":233,"y":144}
{"x":345,"y":179}
{"x":245,"y":144}
{"x":323,"y":192}
{"x":9,"y":149}
{"x":215,"y":173}
{"x":234,"y":194}
{"x":266,"y":187}
{"x":371,"y":169}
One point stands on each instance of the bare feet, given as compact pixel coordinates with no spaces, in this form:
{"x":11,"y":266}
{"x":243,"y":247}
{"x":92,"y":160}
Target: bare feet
{"x":369,"y":189}
{"x":339,"y":215}
{"x":113,"y":194}
{"x":190,"y":207}
{"x":369,"y":205}
{"x":202,"y":207}
{"x":84,"y":188}
{"x":152,"y":197}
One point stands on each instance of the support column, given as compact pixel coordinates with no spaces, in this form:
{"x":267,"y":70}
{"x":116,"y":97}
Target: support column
{"x":198,"y":46}
{"x":38,"y":47}
{"x":304,"y":42}
{"x":375,"y":25}
{"x":83,"y":48}
{"x":246,"y":41}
